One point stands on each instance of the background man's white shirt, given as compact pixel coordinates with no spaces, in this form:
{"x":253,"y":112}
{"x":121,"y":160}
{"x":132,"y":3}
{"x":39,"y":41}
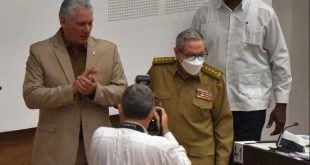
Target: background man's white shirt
{"x":250,"y":49}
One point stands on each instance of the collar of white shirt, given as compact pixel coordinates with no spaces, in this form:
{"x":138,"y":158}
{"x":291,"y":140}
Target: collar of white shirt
{"x":134,"y":124}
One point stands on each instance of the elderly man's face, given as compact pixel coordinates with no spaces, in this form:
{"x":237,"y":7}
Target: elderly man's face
{"x":77,"y":29}
{"x":191,"y":48}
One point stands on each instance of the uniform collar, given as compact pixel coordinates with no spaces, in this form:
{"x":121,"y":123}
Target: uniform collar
{"x":176,"y":73}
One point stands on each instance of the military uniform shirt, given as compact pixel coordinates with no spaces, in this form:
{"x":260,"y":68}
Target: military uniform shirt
{"x":202,"y":126}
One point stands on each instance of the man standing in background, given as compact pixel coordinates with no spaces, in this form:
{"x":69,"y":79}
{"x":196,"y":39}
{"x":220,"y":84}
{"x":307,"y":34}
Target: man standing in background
{"x":245,"y":41}
{"x":72,"y":78}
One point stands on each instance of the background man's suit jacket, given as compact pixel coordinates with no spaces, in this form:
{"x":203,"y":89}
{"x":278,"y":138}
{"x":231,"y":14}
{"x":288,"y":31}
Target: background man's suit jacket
{"x":48,"y":86}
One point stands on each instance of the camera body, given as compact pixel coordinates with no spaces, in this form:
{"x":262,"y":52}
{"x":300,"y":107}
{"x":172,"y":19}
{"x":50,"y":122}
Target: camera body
{"x":153,"y":124}
{"x":145,"y":79}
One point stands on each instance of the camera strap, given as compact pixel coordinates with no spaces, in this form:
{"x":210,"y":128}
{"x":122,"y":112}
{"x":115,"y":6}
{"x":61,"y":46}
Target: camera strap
{"x":133,"y":126}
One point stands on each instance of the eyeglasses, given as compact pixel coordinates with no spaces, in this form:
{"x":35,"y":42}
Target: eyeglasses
{"x":192,"y":57}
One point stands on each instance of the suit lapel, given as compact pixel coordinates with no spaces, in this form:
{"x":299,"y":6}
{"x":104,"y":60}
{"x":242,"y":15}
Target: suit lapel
{"x":91,"y":53}
{"x":63,"y":57}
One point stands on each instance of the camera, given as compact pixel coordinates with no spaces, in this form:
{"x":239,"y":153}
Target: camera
{"x":153,"y":124}
{"x":145,"y":79}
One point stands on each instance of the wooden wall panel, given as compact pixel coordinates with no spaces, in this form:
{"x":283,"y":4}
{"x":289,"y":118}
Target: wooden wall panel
{"x":16,"y":146}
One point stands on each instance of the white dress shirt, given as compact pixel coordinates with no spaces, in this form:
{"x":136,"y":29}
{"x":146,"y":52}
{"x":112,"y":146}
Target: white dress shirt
{"x":246,"y":44}
{"x":123,"y":146}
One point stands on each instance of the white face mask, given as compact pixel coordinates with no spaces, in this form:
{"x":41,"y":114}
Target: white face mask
{"x":192,"y":67}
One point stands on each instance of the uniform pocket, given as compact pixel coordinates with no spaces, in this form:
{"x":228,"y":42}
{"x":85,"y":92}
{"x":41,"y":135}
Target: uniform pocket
{"x":253,"y":35}
{"x":249,"y":85}
{"x":201,"y":152}
{"x":162,"y":98}
{"x":202,"y":104}
{"x":198,"y":112}
{"x":162,"y":95}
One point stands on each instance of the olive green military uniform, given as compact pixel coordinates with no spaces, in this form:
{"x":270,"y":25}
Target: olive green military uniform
{"x":198,"y":110}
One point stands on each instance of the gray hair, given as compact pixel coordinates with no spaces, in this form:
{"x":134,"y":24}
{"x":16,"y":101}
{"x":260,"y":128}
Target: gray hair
{"x":137,"y":101}
{"x":68,"y":7}
{"x":188,"y":34}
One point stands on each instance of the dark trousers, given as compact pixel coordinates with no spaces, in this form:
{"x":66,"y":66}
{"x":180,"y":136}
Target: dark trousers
{"x":81,"y":156}
{"x":248,"y":126}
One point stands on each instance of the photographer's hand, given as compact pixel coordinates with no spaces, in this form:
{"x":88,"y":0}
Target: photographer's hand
{"x":164,"y":119}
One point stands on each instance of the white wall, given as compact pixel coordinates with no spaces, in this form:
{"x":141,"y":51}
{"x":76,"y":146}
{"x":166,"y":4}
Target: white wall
{"x":24,"y":22}
{"x":141,"y":33}
{"x":294,"y":19}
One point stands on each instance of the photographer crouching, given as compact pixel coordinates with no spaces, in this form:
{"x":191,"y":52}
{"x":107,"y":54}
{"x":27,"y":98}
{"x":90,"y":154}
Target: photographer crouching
{"x":131,"y":143}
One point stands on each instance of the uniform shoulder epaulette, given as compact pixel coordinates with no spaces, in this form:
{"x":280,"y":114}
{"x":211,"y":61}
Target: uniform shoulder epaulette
{"x":211,"y":71}
{"x":164,"y":60}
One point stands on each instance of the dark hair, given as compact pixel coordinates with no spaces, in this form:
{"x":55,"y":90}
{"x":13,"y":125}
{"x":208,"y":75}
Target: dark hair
{"x":137,"y":101}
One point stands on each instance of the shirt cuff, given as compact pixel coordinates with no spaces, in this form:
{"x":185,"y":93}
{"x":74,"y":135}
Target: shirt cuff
{"x":281,"y":97}
{"x":171,"y":138}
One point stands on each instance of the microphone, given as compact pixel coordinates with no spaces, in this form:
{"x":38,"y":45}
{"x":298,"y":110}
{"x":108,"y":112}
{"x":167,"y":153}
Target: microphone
{"x":278,"y":141}
{"x":288,"y":142}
